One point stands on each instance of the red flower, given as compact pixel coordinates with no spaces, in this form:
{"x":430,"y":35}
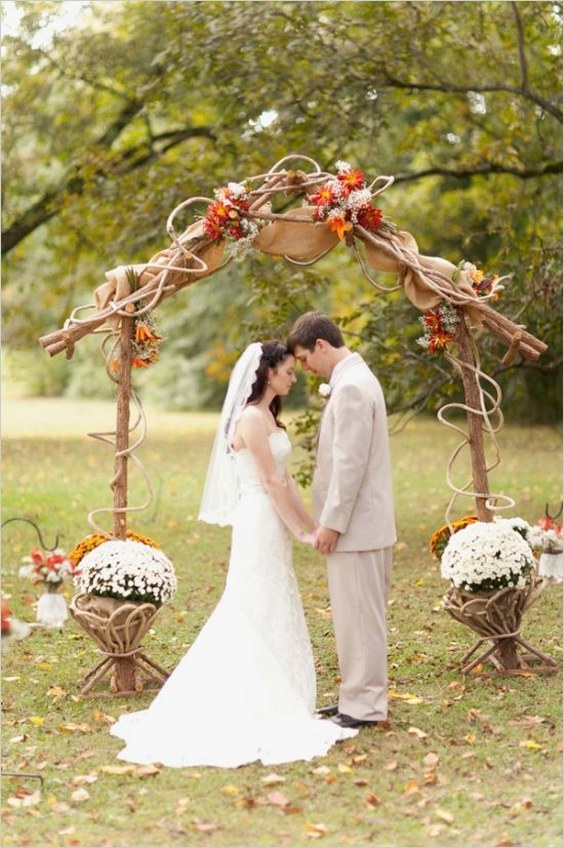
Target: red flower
{"x":370,"y":218}
{"x":432,"y":320}
{"x":37,"y":557}
{"x":324,"y":197}
{"x":351,"y":180}
{"x":54,"y":561}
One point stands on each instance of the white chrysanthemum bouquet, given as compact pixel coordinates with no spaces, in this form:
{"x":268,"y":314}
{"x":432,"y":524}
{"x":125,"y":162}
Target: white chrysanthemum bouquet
{"x":129,"y":571}
{"x":483,"y":557}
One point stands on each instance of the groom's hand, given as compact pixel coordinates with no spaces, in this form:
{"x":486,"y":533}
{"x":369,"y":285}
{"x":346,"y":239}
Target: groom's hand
{"x":325,"y":540}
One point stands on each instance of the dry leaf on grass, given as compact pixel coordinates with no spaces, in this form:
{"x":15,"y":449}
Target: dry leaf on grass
{"x":71,"y":727}
{"x":81,"y":779}
{"x":57,"y":693}
{"x":203,"y":826}
{"x":443,"y":815}
{"x":118,"y":770}
{"x":315,"y":831}
{"x":273,"y":779}
{"x":504,"y":842}
{"x":411,"y":787}
{"x":150,"y":770}
{"x":321,"y":771}
{"x":415,"y":731}
{"x":98,"y":715}
{"x":530,"y":745}
{"x":80,"y":794}
{"x":278,"y":799}
{"x":181,"y":805}
{"x":230,"y":789}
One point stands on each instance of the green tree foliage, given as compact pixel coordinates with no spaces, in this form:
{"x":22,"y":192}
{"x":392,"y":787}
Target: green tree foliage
{"x":116,"y":121}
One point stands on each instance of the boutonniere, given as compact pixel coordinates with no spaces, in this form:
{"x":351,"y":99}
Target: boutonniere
{"x":324,"y":390}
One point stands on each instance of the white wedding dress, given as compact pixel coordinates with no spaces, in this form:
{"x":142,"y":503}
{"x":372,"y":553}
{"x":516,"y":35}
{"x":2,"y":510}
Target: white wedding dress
{"x":245,"y":690}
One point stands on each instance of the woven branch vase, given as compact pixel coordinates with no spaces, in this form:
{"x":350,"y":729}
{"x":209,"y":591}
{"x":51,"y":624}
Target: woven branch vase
{"x":117,"y":627}
{"x":495,"y":616}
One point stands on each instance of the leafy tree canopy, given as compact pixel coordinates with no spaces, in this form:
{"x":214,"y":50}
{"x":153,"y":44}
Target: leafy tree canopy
{"x":116,"y":121}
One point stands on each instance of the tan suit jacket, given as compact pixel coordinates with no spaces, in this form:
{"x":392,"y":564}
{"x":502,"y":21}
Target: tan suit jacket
{"x":352,"y":484}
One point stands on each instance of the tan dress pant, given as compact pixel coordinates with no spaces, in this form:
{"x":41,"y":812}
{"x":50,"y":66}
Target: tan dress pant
{"x":359,"y":584}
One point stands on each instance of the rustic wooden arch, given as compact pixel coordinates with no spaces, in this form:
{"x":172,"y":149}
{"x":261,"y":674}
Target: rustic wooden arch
{"x":297,"y":235}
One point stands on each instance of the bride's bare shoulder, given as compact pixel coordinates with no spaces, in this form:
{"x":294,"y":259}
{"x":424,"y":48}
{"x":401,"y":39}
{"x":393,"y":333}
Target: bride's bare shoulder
{"x":252,"y":414}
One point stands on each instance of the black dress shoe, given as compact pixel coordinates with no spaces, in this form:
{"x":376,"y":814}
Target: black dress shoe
{"x":344,"y":720}
{"x":328,"y":711}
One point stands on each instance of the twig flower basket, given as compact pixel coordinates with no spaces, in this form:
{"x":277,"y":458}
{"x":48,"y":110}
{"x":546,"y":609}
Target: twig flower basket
{"x":492,"y":571}
{"x":121,"y":587}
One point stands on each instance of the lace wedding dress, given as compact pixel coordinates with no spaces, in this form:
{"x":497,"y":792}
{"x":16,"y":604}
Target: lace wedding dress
{"x":245,"y":690}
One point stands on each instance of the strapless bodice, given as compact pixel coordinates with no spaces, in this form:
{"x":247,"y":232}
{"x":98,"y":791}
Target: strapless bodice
{"x":248,"y":475}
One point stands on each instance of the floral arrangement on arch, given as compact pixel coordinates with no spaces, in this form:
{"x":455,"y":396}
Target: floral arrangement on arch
{"x":49,"y":567}
{"x":439,"y":327}
{"x":345,"y":200}
{"x":127,"y":570}
{"x":486,"y":556}
{"x":146,"y":333}
{"x":223,"y":218}
{"x":440,"y":323}
{"x":485,"y":285}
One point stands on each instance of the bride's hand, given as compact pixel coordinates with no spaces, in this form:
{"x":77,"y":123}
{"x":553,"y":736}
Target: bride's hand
{"x":306,"y":538}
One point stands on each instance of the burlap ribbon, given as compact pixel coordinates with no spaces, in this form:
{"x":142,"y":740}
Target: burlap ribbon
{"x":300,"y":240}
{"x":308,"y":239}
{"x":117,"y":286}
{"x":297,"y":240}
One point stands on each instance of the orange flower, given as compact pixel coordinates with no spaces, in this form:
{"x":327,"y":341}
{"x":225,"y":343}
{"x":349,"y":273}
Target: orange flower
{"x":114,"y":366}
{"x":137,"y":362}
{"x":144,"y":334}
{"x":337,"y":224}
{"x":440,"y":340}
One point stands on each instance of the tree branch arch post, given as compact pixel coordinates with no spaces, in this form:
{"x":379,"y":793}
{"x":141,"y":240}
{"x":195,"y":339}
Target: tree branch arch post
{"x":119,"y":483}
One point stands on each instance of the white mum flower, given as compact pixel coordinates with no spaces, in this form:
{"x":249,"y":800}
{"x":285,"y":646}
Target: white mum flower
{"x":485,"y":556}
{"x":127,"y":569}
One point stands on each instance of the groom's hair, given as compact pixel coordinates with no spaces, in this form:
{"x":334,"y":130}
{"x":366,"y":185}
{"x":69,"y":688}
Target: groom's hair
{"x":312,"y":326}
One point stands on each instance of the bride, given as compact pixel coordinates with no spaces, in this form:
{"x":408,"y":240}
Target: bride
{"x":245,"y":690}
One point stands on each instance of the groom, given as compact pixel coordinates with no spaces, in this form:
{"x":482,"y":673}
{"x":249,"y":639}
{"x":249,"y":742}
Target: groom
{"x":352,"y":499}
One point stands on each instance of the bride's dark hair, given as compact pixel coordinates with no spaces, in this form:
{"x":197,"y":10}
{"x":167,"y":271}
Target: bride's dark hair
{"x":273,"y":353}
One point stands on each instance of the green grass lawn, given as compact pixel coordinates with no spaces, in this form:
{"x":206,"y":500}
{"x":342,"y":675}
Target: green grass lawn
{"x":464,"y":762}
